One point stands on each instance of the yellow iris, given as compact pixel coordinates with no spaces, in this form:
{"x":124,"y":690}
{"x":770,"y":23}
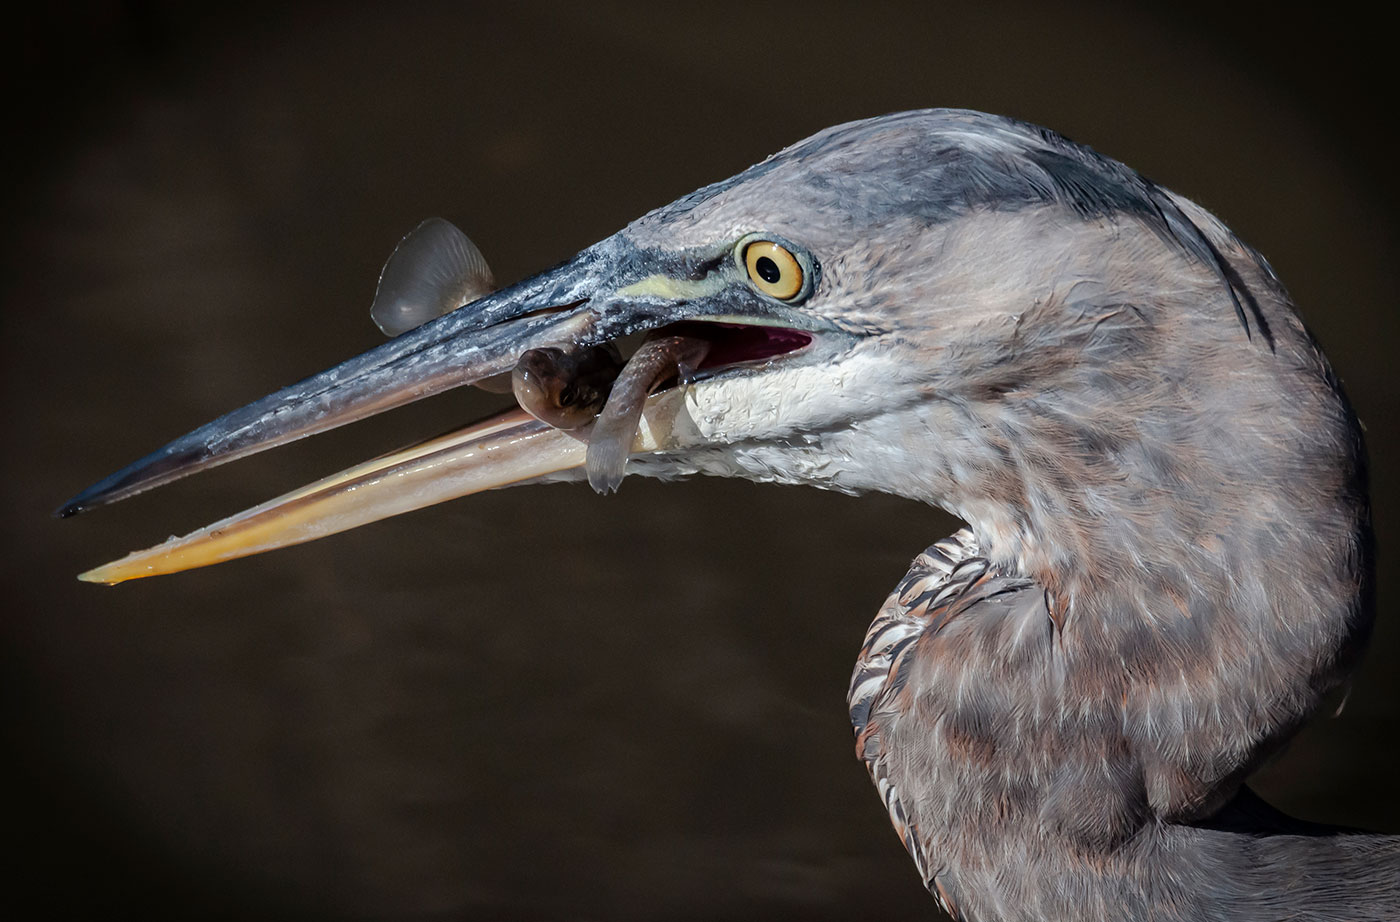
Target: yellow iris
{"x":773,"y":270}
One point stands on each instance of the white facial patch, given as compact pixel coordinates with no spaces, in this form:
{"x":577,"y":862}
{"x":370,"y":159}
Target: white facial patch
{"x":779,"y":402}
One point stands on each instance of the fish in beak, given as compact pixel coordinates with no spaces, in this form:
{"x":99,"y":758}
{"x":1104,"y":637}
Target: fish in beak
{"x":700,"y":313}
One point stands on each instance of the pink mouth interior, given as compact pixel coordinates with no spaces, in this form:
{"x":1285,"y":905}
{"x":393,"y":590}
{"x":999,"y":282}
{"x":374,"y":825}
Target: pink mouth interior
{"x":734,"y":343}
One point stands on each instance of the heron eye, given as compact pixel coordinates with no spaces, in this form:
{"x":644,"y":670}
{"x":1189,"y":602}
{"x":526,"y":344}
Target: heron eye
{"x":773,"y":270}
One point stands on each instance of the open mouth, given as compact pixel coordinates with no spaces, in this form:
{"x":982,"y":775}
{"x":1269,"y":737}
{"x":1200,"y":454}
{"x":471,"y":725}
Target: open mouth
{"x":515,"y":446}
{"x":739,"y":343}
{"x":679,"y":352}
{"x":607,"y":359}
{"x":592,"y":390}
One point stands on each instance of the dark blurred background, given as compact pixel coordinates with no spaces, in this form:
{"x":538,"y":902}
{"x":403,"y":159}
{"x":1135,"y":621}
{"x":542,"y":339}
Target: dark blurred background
{"x":537,"y":704}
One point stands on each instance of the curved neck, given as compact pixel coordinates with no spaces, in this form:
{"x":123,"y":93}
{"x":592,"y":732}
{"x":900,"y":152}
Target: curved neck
{"x":1174,"y":873}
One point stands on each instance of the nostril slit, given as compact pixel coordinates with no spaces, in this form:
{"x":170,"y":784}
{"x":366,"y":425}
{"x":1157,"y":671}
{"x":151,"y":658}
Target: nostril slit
{"x":555,"y":309}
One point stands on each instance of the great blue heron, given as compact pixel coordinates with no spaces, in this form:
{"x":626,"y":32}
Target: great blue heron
{"x":1167,"y":558}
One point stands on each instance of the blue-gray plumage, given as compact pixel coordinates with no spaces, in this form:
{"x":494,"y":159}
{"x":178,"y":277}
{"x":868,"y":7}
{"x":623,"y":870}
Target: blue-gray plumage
{"x":1167,"y":563}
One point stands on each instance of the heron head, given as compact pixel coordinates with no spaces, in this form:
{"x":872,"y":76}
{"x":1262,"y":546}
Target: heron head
{"x":945,"y":305}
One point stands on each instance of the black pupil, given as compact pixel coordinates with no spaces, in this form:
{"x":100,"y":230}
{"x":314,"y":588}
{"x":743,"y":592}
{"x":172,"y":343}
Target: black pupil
{"x":767,"y":269}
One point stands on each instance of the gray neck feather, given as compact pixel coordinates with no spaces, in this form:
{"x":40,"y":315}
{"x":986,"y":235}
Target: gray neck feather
{"x":1193,"y":504}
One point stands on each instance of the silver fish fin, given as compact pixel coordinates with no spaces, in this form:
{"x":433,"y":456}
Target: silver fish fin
{"x":434,"y":269}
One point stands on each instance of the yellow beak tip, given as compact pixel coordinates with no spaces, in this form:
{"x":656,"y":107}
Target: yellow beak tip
{"x":106,"y":574}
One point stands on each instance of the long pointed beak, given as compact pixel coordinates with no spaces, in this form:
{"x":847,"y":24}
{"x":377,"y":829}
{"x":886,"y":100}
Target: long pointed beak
{"x":482,"y":339}
{"x":608,"y":291}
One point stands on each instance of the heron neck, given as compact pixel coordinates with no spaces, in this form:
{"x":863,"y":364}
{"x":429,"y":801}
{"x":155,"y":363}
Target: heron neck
{"x":1172,"y":873}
